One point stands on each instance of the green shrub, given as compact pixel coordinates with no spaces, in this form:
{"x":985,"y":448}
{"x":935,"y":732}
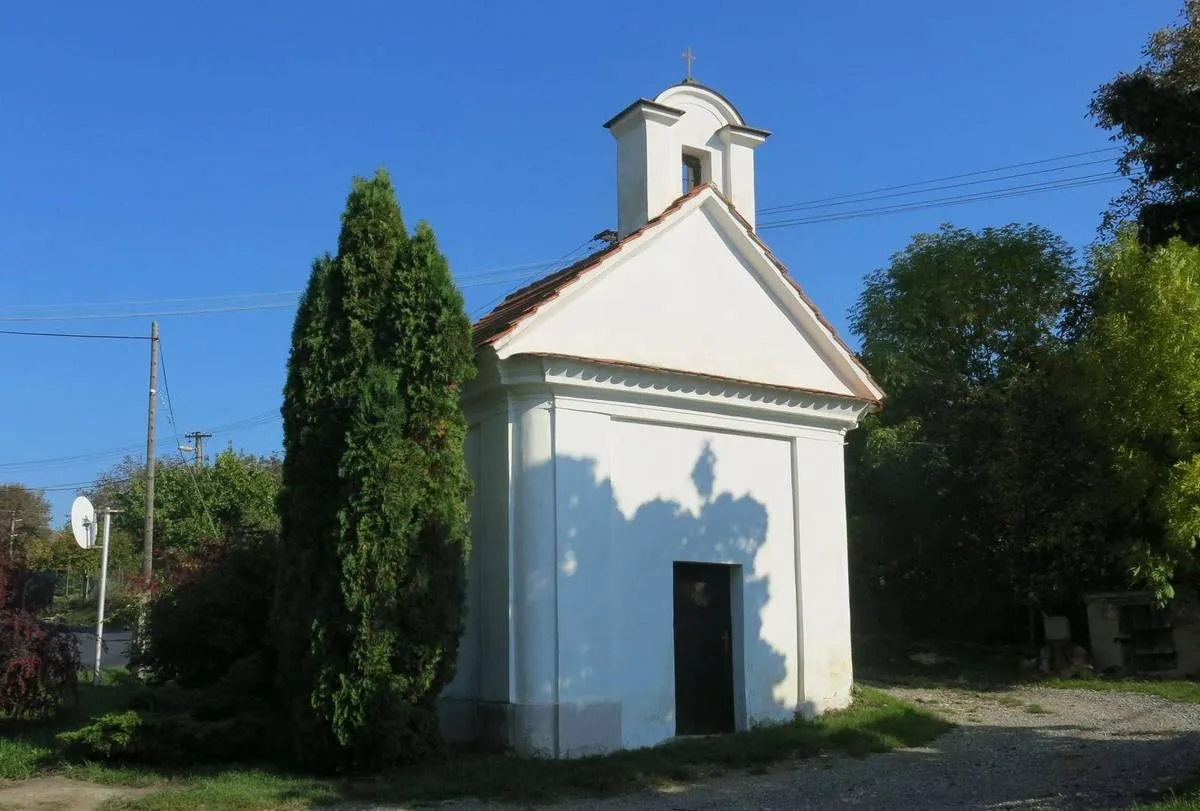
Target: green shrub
{"x":235,"y":719}
{"x":113,"y":735}
{"x":178,"y":738}
{"x":214,"y":614}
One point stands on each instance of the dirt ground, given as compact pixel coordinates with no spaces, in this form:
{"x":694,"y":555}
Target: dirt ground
{"x":58,"y":794}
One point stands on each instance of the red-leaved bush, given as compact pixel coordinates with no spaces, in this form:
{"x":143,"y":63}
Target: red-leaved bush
{"x":39,"y":663}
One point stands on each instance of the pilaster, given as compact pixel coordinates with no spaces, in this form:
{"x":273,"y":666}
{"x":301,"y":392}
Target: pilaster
{"x":534,"y":584}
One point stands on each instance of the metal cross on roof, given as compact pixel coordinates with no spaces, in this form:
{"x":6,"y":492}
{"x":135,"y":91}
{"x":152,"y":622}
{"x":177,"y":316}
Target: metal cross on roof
{"x":688,"y":59}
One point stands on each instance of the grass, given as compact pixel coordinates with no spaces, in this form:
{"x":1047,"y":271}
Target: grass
{"x":887,"y":662}
{"x":21,"y":759}
{"x":1179,"y":802}
{"x":875,"y":722}
{"x":1036,"y":709}
{"x":233,"y":791}
{"x":1183,"y":691}
{"x":1184,"y":797}
{"x":28,"y":748}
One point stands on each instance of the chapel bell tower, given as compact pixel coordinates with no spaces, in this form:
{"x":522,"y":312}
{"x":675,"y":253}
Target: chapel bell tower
{"x":687,"y":136}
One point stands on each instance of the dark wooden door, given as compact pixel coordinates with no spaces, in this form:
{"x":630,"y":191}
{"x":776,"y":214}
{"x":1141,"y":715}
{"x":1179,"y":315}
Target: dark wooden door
{"x":703,"y":649}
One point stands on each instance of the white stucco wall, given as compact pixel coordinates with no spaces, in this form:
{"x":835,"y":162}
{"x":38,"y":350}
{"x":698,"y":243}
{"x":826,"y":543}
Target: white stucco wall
{"x":473,"y":706}
{"x":739,"y":179}
{"x":492,"y":543}
{"x":823,"y":571}
{"x":633,"y":181}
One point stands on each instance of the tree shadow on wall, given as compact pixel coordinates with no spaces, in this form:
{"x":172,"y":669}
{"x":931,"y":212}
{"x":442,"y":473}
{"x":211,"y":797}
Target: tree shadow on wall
{"x":615,"y":597}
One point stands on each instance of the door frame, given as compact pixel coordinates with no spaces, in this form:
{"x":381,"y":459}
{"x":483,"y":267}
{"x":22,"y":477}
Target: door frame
{"x":737,"y":625}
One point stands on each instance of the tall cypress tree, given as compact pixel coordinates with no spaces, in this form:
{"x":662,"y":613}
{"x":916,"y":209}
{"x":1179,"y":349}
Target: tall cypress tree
{"x":370,"y":595}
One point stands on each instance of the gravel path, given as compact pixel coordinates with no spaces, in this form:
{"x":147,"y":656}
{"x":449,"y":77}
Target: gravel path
{"x":1028,"y":748}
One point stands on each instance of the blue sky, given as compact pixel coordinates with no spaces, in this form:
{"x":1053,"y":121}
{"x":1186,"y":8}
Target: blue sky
{"x":155,"y":151}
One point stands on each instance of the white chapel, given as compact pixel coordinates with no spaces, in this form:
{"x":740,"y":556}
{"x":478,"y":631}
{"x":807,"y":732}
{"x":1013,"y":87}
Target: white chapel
{"x":657,"y":438}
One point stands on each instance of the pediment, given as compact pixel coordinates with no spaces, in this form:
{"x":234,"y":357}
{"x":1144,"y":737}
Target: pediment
{"x":696,"y":293}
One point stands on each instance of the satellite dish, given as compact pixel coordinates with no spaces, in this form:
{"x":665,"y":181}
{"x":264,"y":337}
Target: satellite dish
{"x":83,"y":522}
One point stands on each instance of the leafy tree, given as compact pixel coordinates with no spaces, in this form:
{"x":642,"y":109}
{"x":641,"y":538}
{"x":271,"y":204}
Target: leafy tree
{"x":26,"y":510}
{"x":195,"y":509}
{"x":233,"y":495}
{"x":58,"y":552}
{"x":957,"y":487}
{"x":1139,"y":361}
{"x":1155,"y":111}
{"x":370,"y":595}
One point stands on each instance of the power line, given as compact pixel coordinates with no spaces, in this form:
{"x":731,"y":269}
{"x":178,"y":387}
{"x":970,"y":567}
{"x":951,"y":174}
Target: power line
{"x":265,"y":418}
{"x":145,"y":302}
{"x":55,"y":488}
{"x":34,"y":465}
{"x":558,"y":264}
{"x":290,"y":304}
{"x":491,"y":280}
{"x":773,"y":209}
{"x":74,"y":335}
{"x":846,"y":201}
{"x":68,"y":461}
{"x":162,"y":362}
{"x":238,"y":301}
{"x":998,"y":194}
{"x":156,"y":314}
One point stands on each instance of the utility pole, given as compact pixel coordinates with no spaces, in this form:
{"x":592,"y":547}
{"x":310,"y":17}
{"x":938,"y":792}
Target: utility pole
{"x":139,"y":638}
{"x":198,"y":438}
{"x":148,"y":534}
{"x":12,"y":531}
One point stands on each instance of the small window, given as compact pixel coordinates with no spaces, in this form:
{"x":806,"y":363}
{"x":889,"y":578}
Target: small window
{"x":691,"y":172}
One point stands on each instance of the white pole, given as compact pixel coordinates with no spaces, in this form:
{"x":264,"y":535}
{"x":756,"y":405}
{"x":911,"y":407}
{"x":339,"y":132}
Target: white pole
{"x":103,"y":582}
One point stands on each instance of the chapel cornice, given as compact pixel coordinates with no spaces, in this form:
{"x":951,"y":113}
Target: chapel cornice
{"x":542,"y":376}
